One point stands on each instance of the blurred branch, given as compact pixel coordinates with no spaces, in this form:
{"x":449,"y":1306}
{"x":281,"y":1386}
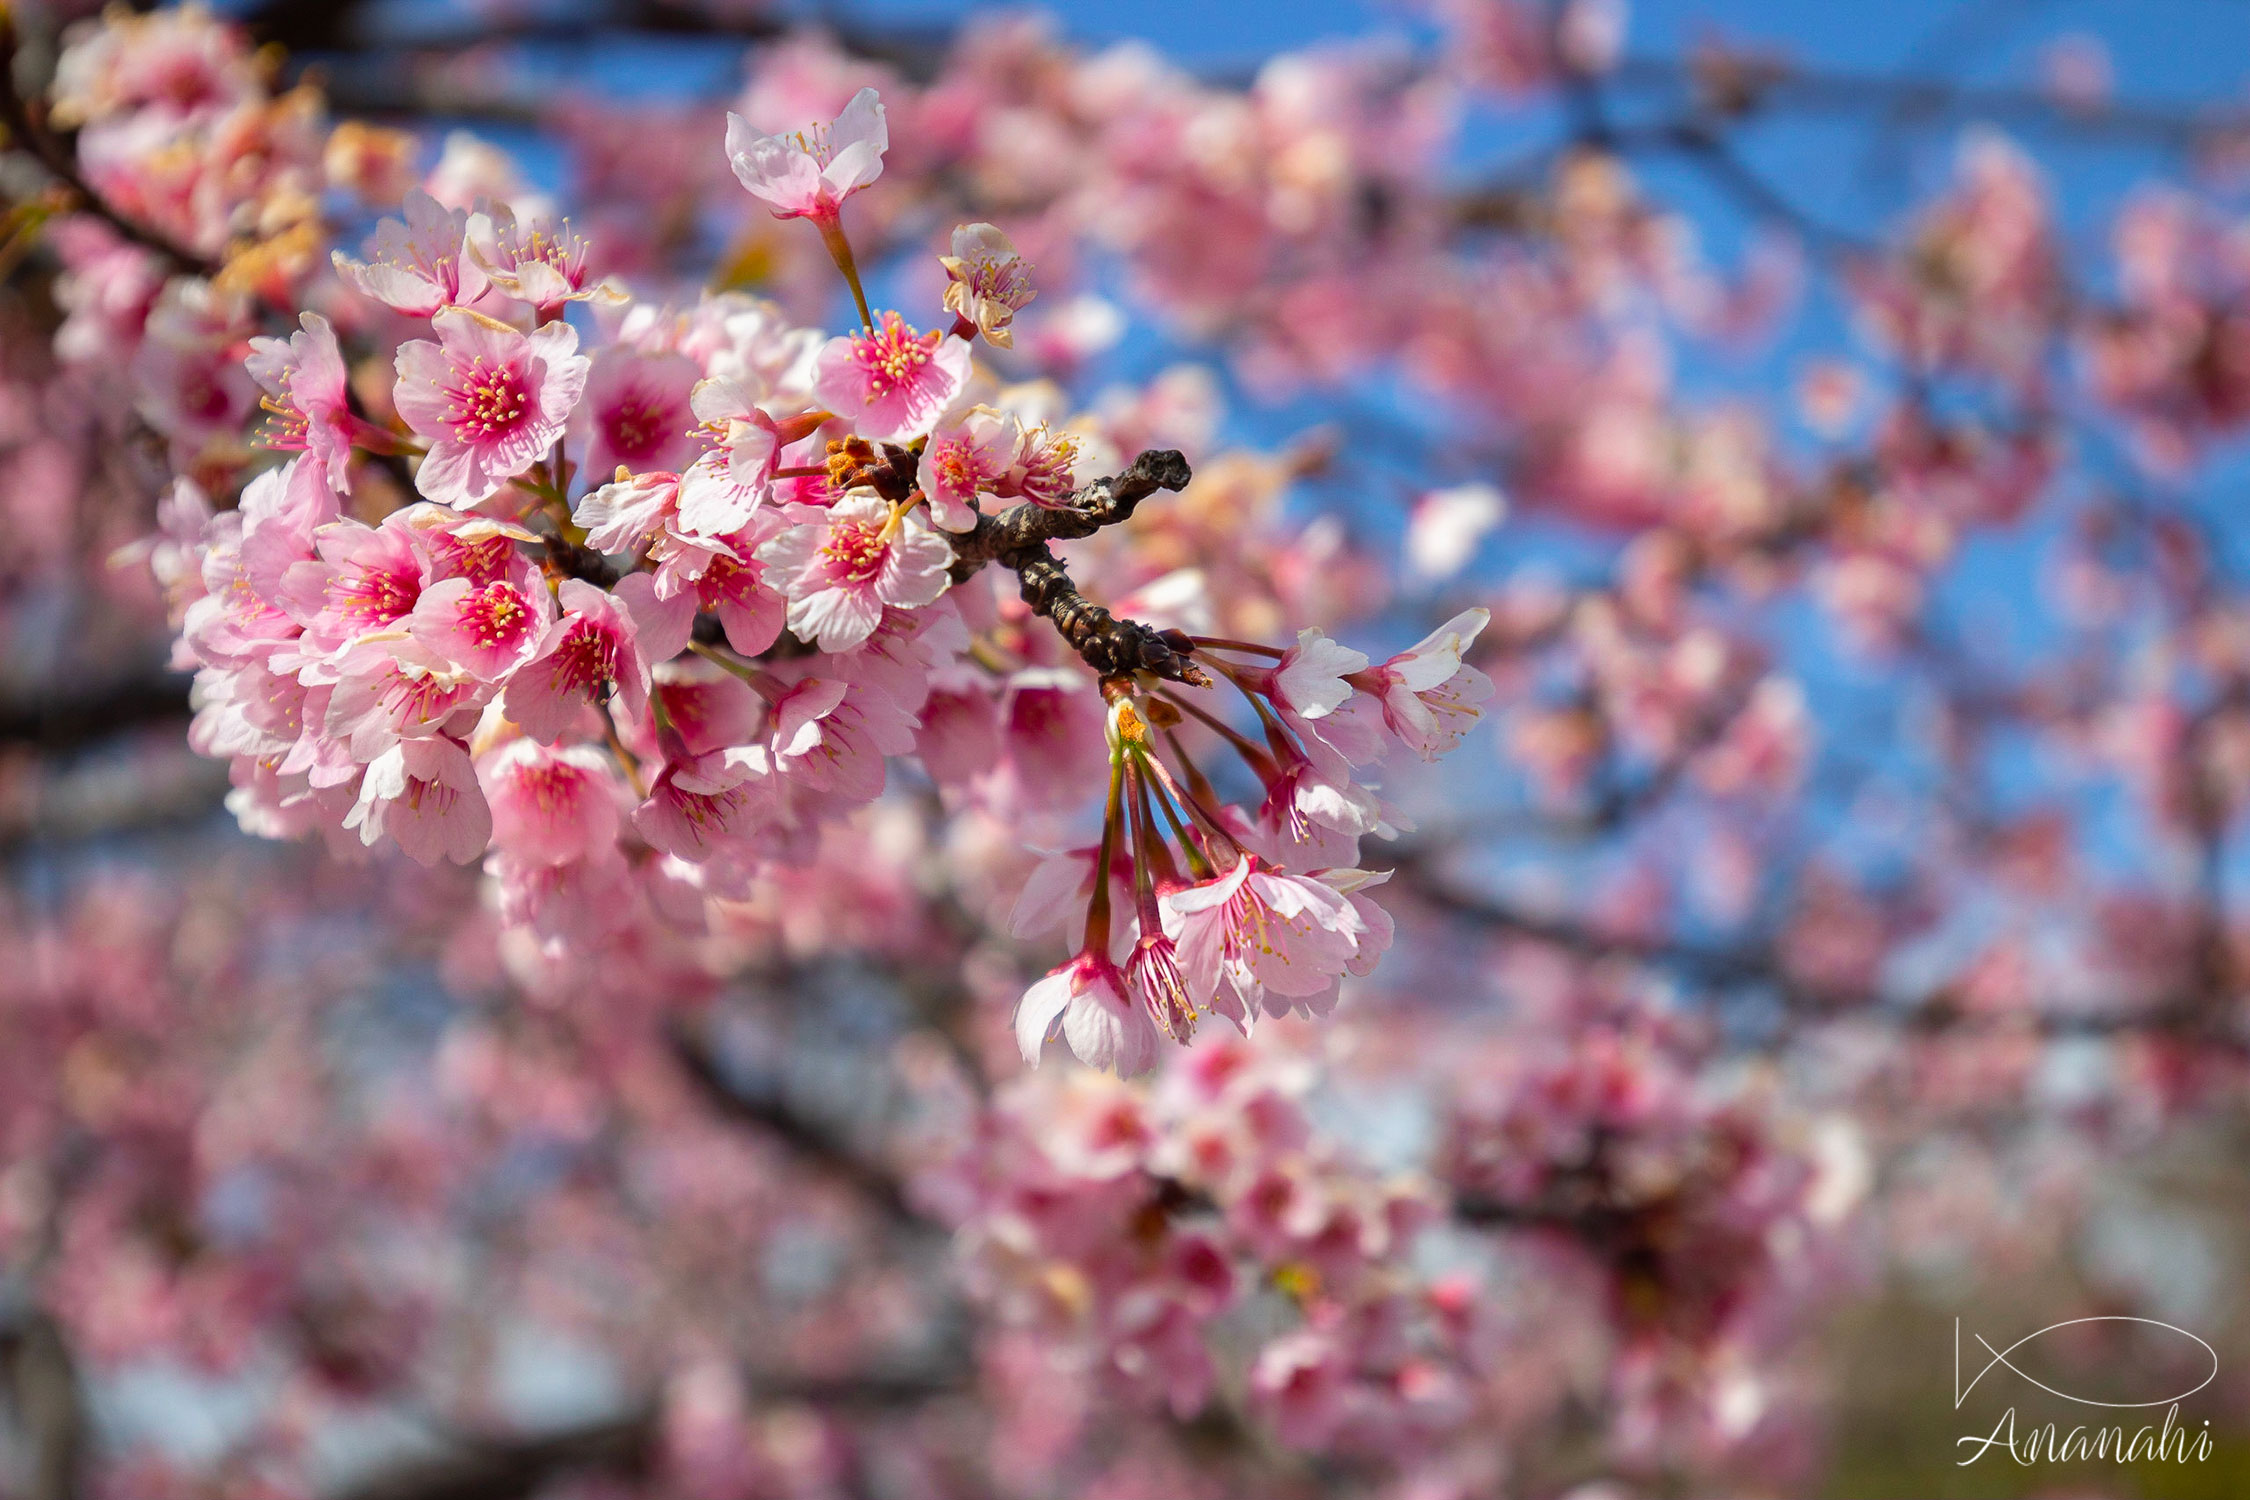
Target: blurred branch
{"x":28,"y":132}
{"x":42,"y":1382}
{"x":2194,"y":1015}
{"x":56,"y":723}
{"x":816,"y":1142}
{"x":1741,"y":84}
{"x":510,"y":1469}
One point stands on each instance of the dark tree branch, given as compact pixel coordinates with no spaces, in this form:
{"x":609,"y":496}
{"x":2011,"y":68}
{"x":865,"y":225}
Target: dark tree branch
{"x":513,"y":1468}
{"x":27,"y":133}
{"x":1017,"y":539}
{"x":42,"y":1383}
{"x":57,"y":723}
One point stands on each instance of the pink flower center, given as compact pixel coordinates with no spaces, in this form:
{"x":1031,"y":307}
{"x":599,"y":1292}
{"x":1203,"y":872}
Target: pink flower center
{"x":957,"y":468}
{"x":551,"y":788}
{"x":562,"y":250}
{"x":495,"y":615}
{"x":855,"y":551}
{"x":481,"y":562}
{"x":816,"y":142}
{"x":488,"y":400}
{"x":636,"y":426}
{"x":708,"y":812}
{"x":725,"y":581}
{"x":1001,"y":281}
{"x":892,"y":356}
{"x":587,"y":658}
{"x":368,"y":596}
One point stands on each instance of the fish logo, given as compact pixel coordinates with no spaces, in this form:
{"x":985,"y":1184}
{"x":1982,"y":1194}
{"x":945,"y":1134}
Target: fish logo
{"x":2004,"y":1359}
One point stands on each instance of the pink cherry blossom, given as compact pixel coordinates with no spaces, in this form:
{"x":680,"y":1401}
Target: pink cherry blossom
{"x":986,"y":282}
{"x":361,"y":579}
{"x":1085,"y":1001}
{"x":390,"y":689}
{"x":488,"y":399}
{"x":629,"y":513}
{"x":585,"y":656}
{"x":487,"y":630}
{"x":975,"y":451}
{"x":1253,"y":930}
{"x":551,"y":806}
{"x":725,"y":487}
{"x":831,"y":737}
{"x":305,"y":384}
{"x":698,"y":801}
{"x":811,"y":173}
{"x":637,"y":406}
{"x":544,"y":265}
{"x":423,"y":793}
{"x":891,"y":383}
{"x":1429,"y":696}
{"x":839,"y":571}
{"x":419,"y":266}
{"x":1046,"y":467}
{"x":711,"y":577}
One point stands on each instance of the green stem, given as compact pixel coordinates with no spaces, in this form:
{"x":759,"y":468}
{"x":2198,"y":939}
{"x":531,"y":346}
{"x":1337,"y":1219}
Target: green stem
{"x":758,"y":678}
{"x":1097,"y":910}
{"x":840,"y":251}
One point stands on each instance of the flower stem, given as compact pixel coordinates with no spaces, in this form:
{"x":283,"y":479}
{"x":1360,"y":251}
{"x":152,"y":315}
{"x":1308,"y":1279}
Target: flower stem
{"x":1221,"y":643}
{"x":758,"y":678}
{"x":626,"y":761}
{"x":840,"y":251}
{"x":1258,"y":760}
{"x":1097,"y":910}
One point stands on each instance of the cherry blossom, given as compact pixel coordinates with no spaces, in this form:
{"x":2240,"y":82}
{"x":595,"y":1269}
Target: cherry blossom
{"x":419,"y":265}
{"x":987,"y":283}
{"x":840,"y":571}
{"x":972,"y":453}
{"x":890,"y":382}
{"x":488,"y":399}
{"x":1085,"y":1001}
{"x":423,"y":794}
{"x":810,"y":174}
{"x":638,"y":407}
{"x":584,"y":657}
{"x":305,"y":385}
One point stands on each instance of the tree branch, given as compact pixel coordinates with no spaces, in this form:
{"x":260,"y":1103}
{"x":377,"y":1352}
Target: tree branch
{"x":513,"y":1468}
{"x":809,"y":1139}
{"x":1017,"y":539}
{"x":42,"y":1381}
{"x":61,"y":163}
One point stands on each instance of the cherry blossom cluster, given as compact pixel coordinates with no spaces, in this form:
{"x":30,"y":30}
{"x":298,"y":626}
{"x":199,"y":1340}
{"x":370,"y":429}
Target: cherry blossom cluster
{"x":1193,"y":904}
{"x":1131,"y":1227}
{"x":731,"y":679}
{"x":1704,"y":1215}
{"x":632,"y":692}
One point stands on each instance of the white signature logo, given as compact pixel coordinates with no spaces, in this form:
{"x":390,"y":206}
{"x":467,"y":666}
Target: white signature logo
{"x":2001,"y":1358}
